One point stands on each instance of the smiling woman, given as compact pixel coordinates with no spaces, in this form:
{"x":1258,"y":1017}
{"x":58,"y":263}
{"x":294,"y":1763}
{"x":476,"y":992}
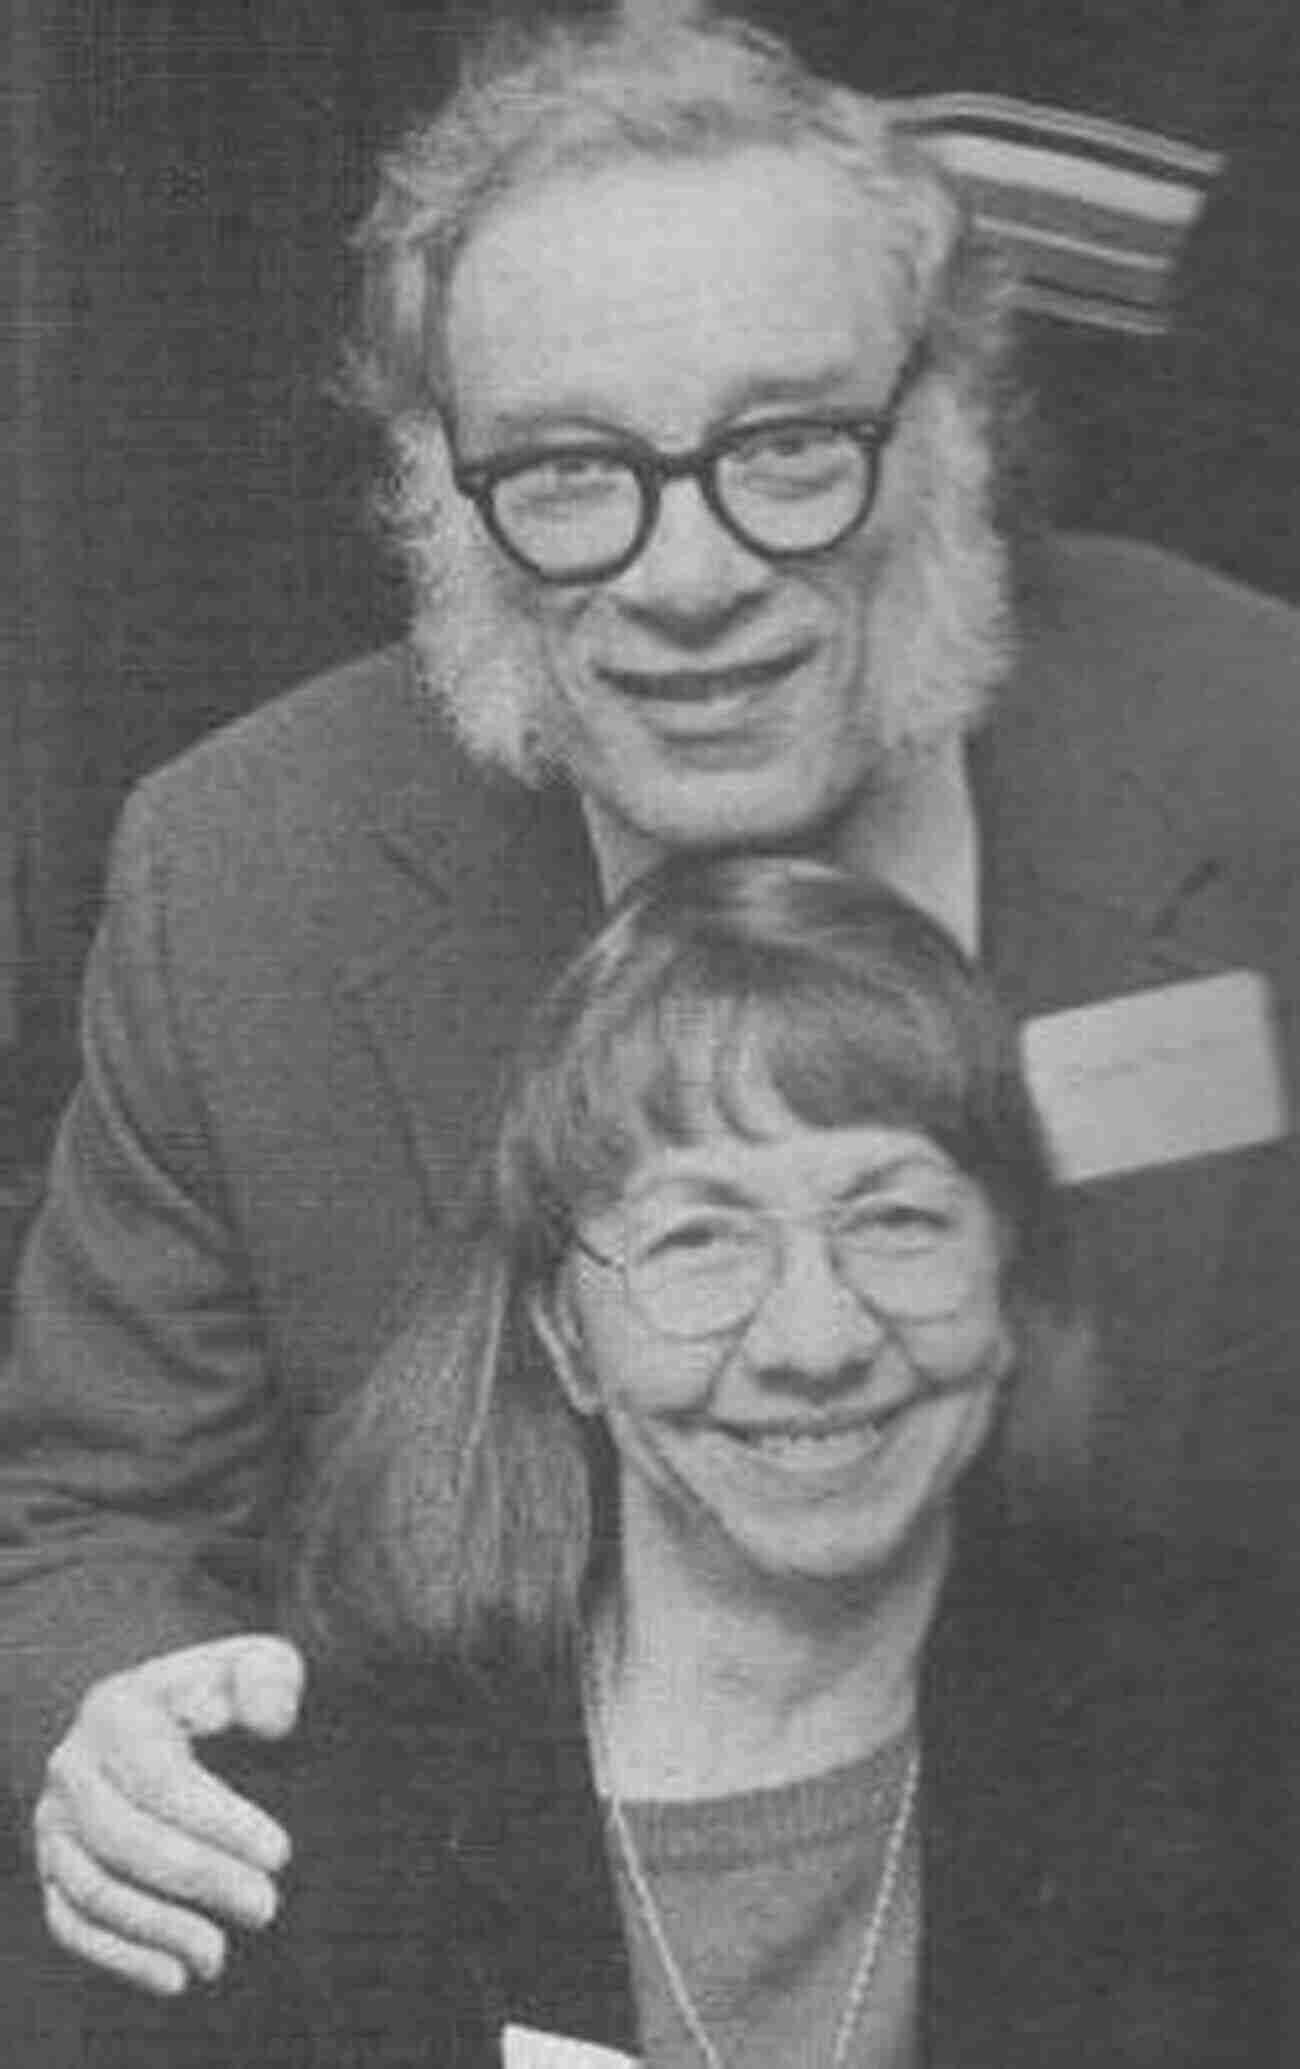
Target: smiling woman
{"x":765,"y":1159}
{"x":687,"y":1653}
{"x":765,"y":1228}
{"x":801,"y":1352}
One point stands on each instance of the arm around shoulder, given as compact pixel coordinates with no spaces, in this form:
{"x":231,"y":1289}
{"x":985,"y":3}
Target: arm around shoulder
{"x":134,"y":1412}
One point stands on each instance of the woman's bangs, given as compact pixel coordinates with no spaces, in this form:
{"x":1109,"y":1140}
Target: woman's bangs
{"x":669,"y":1061}
{"x":686,"y":1062}
{"x":581,"y":1121}
{"x":650,"y":1077}
{"x":842,"y":1057}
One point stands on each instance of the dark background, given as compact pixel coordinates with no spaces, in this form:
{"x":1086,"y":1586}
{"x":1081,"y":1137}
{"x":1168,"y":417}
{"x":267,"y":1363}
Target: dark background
{"x":190,"y":509}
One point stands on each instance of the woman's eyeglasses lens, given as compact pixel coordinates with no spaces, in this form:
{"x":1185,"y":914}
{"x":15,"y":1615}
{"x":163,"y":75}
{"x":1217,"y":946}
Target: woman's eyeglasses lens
{"x":703,"y":1272}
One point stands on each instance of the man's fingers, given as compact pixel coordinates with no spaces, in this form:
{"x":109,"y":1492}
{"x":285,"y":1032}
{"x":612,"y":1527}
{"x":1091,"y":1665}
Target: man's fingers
{"x":159,"y":1973}
{"x":184,"y":1794}
{"x":268,"y":1677}
{"x":135,"y":1838}
{"x":251,"y":1682}
{"x":78,"y":1888}
{"x":158,"y":1854}
{"x":133,"y":1746}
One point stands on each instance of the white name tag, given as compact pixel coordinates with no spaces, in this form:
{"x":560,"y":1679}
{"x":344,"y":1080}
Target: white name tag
{"x":1186,"y":1071}
{"x":524,"y":2047}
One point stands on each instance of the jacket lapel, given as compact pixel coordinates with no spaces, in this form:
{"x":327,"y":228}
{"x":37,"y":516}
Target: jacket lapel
{"x":1093,"y":885}
{"x":500,"y":889}
{"x":1095,"y":888}
{"x":990,"y":1952}
{"x":453,"y":1880}
{"x":539,"y":1925}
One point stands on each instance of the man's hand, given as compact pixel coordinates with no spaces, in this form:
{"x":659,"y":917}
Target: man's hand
{"x":135,"y":1841}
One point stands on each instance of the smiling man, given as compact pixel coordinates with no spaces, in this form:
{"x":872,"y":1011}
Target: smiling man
{"x":709,"y":457}
{"x":695,"y":385}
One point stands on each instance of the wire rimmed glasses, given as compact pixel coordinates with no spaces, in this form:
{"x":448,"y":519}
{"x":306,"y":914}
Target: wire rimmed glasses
{"x":580,"y":509}
{"x":706,"y":1270}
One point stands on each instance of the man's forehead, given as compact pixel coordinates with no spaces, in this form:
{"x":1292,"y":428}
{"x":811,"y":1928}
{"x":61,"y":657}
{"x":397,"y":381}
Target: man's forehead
{"x":763,"y":266}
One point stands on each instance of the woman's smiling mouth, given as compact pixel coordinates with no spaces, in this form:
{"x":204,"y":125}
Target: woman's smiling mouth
{"x":817,"y":1447}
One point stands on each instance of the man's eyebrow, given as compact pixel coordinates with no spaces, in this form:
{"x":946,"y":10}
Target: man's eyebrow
{"x":832,"y":385}
{"x":823,"y":386}
{"x":551,"y":421}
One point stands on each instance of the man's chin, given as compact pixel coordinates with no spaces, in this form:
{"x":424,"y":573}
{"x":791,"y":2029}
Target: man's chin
{"x":728,"y":821}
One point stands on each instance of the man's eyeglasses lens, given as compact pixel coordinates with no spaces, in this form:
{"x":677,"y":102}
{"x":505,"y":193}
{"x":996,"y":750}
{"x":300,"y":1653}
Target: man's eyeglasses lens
{"x":704,"y":1271}
{"x":787,"y":486}
{"x":784,"y":488}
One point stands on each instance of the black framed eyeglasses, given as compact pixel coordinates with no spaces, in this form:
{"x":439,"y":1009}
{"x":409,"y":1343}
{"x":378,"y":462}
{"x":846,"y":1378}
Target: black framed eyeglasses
{"x":582,"y":509}
{"x":706,"y":1270}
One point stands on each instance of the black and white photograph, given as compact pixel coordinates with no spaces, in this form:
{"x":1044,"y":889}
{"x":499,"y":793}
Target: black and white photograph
{"x":650,"y":1035}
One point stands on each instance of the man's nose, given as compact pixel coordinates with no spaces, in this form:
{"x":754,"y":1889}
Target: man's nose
{"x":691,"y":567}
{"x":810,"y":1325}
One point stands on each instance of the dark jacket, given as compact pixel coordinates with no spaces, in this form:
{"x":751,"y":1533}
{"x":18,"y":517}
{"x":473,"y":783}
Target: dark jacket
{"x":1098,"y":1818}
{"x":322,"y":930}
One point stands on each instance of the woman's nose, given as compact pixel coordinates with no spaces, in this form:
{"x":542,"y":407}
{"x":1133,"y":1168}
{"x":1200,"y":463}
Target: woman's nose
{"x":809,"y":1322}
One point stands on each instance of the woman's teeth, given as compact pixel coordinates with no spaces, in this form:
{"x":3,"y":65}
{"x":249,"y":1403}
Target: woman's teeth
{"x":814,"y":1447}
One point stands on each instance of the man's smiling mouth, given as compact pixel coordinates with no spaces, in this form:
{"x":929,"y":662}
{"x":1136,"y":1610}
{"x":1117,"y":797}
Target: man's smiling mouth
{"x":704,"y":686}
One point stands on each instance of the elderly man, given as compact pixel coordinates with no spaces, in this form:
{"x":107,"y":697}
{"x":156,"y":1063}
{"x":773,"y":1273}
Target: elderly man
{"x":695,"y":388}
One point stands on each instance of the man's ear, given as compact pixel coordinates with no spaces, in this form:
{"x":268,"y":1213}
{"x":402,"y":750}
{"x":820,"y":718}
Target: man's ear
{"x":553,"y":1315}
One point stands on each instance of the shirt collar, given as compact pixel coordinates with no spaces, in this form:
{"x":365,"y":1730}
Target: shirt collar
{"x":915,"y":828}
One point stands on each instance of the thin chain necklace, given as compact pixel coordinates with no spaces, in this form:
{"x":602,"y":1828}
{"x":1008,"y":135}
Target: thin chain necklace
{"x":872,"y":1940}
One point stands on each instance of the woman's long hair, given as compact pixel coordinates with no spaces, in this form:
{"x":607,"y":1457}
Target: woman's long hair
{"x":460,"y":1505}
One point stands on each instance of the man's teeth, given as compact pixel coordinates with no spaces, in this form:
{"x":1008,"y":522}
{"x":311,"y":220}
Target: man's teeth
{"x":700,"y":689}
{"x":705,"y":685}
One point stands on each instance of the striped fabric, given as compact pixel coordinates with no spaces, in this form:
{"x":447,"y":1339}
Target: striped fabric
{"x":1093,"y":213}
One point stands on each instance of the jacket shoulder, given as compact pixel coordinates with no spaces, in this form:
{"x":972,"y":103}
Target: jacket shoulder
{"x":340,"y":818}
{"x":328,"y":753}
{"x":1089,"y":574}
{"x":1174,"y":677}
